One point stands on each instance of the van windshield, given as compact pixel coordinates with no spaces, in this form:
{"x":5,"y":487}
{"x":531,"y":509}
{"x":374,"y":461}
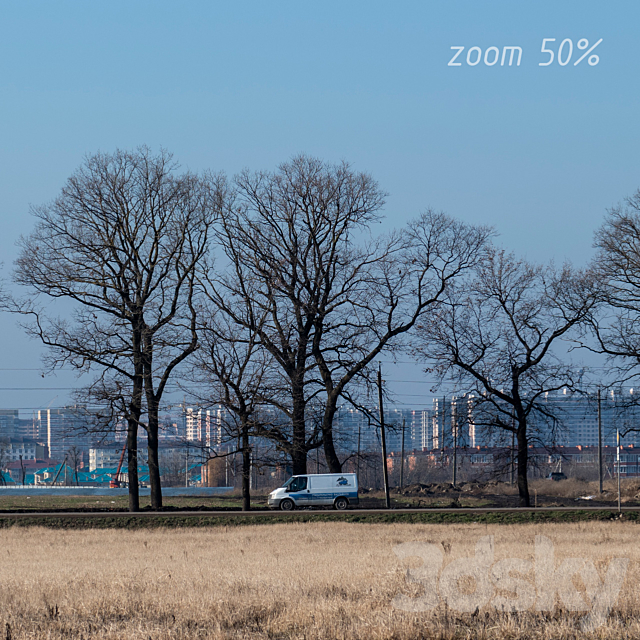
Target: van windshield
{"x":287,"y":483}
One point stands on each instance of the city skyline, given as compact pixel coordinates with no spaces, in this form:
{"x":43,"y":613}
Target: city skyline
{"x":426,"y":428}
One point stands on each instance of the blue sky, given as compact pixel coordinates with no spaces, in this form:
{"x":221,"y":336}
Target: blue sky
{"x":538,"y":152}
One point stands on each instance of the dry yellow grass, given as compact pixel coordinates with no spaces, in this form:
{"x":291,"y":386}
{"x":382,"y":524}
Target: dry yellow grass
{"x":574,"y":488}
{"x":299,"y":580}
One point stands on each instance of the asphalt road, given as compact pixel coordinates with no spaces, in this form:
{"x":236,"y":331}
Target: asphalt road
{"x":269,"y":512}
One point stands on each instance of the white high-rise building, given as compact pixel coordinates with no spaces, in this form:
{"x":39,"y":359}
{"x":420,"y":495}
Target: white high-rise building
{"x":205,"y":427}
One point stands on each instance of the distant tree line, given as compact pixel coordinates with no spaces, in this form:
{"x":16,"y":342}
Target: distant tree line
{"x":276,"y":290}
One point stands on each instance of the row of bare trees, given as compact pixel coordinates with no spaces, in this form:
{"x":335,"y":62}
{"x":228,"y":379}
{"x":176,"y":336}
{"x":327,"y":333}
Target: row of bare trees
{"x":272,"y":290}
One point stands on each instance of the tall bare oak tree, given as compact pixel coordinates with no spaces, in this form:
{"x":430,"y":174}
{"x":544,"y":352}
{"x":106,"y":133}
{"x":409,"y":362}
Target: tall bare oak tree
{"x":121,"y":244}
{"x":494,"y":334}
{"x":329,"y":296}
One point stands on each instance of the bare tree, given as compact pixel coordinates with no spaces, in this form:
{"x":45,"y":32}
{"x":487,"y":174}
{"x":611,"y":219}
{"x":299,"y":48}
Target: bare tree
{"x":616,"y":326}
{"x":74,"y":455}
{"x":372,"y":304}
{"x":120,"y":244}
{"x":235,"y":373}
{"x":270,"y":234}
{"x":332,"y":297}
{"x":495,"y":335}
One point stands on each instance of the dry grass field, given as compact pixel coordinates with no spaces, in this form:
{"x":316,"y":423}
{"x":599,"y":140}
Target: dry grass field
{"x":300,"y":580}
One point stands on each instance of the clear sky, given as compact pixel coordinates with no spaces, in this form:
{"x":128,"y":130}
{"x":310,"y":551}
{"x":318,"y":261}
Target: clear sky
{"x":538,"y":152}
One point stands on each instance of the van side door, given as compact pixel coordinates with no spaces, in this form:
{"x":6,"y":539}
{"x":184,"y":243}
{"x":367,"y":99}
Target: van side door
{"x":298,"y":490}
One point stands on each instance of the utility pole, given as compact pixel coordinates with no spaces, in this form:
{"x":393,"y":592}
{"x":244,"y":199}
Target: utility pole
{"x":444,"y":418}
{"x":358,"y":458}
{"x":59,"y":470}
{"x":385,"y":473}
{"x":599,"y":440}
{"x":186,"y":467}
{"x":402,"y":458}
{"x":618,"y":461}
{"x":454,"y":426}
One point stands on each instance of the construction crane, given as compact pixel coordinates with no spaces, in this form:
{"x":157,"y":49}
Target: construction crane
{"x":114,"y":483}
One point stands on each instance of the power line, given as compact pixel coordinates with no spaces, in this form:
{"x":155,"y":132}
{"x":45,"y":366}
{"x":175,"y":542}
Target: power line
{"x":39,"y":388}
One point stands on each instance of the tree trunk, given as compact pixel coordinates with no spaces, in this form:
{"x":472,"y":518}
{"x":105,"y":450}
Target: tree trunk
{"x":299,"y":462}
{"x":133,"y":419}
{"x":523,"y":459}
{"x":152,"y":422}
{"x":246,"y":469}
{"x":132,"y":462}
{"x":333,"y":462}
{"x":154,"y":463}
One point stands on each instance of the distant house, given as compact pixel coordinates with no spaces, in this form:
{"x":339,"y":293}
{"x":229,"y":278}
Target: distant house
{"x":58,"y":472}
{"x":16,"y":469}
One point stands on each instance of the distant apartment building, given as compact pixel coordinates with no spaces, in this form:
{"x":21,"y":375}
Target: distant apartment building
{"x":13,"y":449}
{"x":205,"y":427}
{"x":171,"y":454}
{"x":105,"y":456}
{"x":578,"y":416}
{"x":563,"y":419}
{"x":27,"y":428}
{"x":421,"y":429}
{"x":456,"y":419}
{"x":356,"y":430}
{"x":409,"y":422}
{"x":63,"y":429}
{"x":8,"y":419}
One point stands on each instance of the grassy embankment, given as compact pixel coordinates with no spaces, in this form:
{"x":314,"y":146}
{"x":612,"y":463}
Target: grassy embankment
{"x":119,"y":503}
{"x":544,"y":493}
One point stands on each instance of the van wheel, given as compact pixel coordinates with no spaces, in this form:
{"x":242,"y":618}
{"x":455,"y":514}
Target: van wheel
{"x":341,"y":504}
{"x":287,"y":505}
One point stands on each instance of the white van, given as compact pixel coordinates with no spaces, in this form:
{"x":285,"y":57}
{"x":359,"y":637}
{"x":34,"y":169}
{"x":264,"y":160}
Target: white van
{"x":338,"y":490}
